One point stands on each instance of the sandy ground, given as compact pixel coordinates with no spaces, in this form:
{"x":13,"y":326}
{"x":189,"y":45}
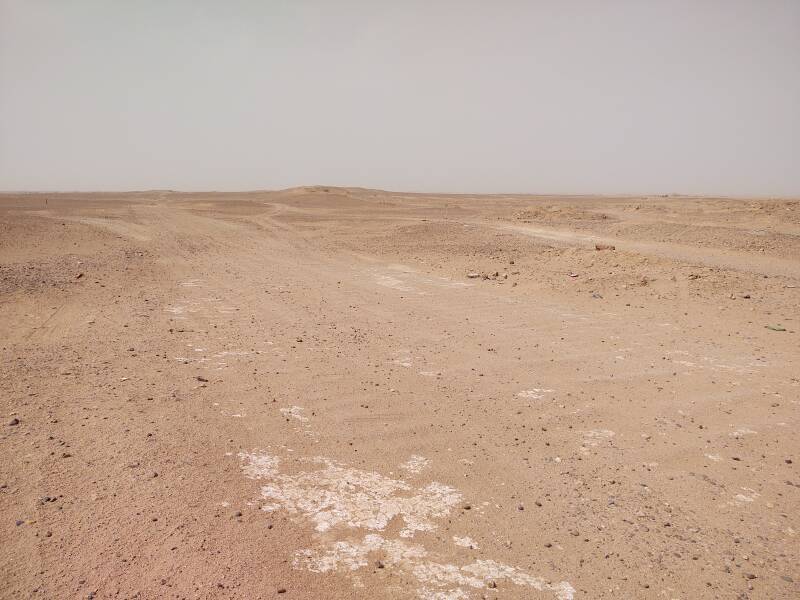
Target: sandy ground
{"x":342,"y":393}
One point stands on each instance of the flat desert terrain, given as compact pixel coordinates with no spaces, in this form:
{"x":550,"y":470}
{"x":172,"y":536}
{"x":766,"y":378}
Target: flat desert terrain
{"x":326,"y":393}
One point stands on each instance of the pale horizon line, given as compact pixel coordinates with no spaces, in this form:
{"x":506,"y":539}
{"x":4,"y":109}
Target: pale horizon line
{"x":321,"y":187}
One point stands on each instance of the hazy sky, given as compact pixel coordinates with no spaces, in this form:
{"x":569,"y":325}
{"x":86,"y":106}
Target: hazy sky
{"x":507,"y":96}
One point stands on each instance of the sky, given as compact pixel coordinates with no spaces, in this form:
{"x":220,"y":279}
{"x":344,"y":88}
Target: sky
{"x":634,"y":97}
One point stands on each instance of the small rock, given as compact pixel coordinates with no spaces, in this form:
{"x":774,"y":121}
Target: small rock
{"x":473,"y":275}
{"x":379,"y":564}
{"x":203,"y":379}
{"x":14,"y":421}
{"x":281,"y":590}
{"x":604,"y":247}
{"x":237,"y":514}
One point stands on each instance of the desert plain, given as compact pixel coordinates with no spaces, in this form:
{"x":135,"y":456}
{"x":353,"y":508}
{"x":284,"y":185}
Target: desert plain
{"x":325,"y":393}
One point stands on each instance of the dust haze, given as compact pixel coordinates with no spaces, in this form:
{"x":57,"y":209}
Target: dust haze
{"x":526,"y":97}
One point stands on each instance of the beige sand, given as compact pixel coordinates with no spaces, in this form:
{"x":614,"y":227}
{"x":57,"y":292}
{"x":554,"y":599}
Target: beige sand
{"x":344,"y":393}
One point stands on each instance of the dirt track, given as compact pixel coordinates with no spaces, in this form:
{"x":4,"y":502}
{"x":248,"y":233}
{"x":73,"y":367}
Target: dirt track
{"x":358,"y":394}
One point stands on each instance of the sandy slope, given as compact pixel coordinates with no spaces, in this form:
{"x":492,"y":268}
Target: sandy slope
{"x":359,"y":394}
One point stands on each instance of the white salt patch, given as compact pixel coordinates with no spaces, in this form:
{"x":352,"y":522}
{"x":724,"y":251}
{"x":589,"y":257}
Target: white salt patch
{"x":714,"y":457}
{"x":337,"y":499}
{"x":354,"y":555}
{"x":483,"y":572}
{"x":392,"y":282}
{"x":534,"y":393}
{"x":259,"y":465}
{"x":415,"y":464}
{"x":456,"y":594}
{"x":337,"y":495}
{"x":465,"y":542}
{"x":749,"y":497}
{"x":437,"y":581}
{"x":295,"y":412}
{"x":742,"y":432}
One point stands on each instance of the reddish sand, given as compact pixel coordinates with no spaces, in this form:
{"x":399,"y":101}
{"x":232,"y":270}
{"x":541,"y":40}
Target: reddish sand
{"x":345,"y":393}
